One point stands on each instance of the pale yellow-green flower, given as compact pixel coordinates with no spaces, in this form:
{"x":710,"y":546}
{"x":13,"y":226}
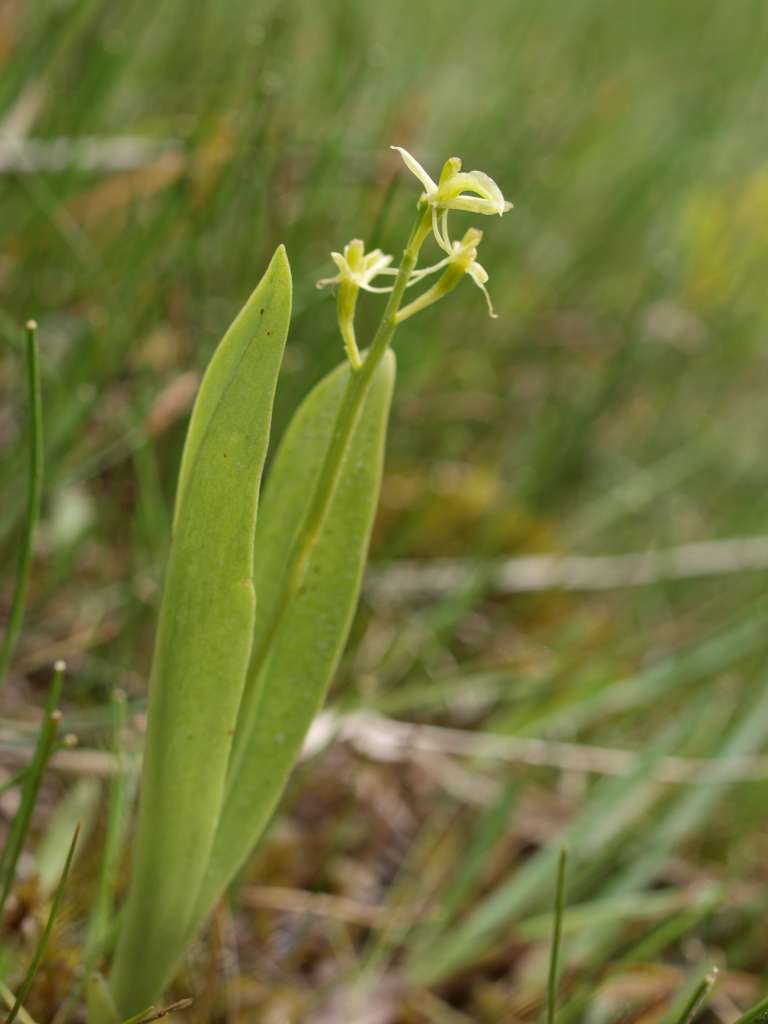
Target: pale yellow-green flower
{"x":358,"y":267}
{"x":461,"y":260}
{"x":471,"y":191}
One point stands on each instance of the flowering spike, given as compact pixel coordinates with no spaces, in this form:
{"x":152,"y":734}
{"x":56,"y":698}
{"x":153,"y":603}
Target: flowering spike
{"x":455,"y":189}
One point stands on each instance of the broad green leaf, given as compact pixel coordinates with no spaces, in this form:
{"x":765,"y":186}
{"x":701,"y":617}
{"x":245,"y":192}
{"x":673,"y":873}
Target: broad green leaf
{"x":287,"y":686}
{"x":203,"y":642}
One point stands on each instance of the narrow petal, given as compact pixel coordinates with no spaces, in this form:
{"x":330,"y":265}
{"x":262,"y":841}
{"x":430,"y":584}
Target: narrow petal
{"x":415,"y":167}
{"x":444,"y":231}
{"x":377,"y":262}
{"x":478,"y":272}
{"x":422,"y":272}
{"x":375,"y":288}
{"x":479,"y":275}
{"x":443,"y":242}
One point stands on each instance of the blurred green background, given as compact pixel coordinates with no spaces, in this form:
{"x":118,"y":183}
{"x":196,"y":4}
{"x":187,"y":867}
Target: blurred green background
{"x":151,"y":157}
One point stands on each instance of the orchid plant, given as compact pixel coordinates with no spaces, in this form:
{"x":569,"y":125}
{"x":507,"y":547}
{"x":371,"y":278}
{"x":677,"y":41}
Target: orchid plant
{"x":235,"y":684}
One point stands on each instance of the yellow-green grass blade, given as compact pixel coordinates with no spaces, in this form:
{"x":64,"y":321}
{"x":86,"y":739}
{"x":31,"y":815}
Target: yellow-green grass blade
{"x":34,"y":497}
{"x":757,"y":1015}
{"x":692,"y":999}
{"x":614,"y":805}
{"x":557,"y":934}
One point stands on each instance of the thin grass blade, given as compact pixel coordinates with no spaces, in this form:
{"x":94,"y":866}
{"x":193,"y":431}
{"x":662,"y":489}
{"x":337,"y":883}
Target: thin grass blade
{"x":117,"y":822}
{"x":101,"y":927}
{"x":6,"y":994}
{"x":34,"y":495}
{"x":557,"y":934}
{"x":757,"y":1015}
{"x":42,"y":944}
{"x":611,"y":809}
{"x":692,"y":999}
{"x":46,"y":739}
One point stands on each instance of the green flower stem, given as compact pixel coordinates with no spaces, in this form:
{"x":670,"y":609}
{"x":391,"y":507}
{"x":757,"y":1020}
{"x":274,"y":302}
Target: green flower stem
{"x":34,"y":494}
{"x":345,"y":424}
{"x":345,"y":307}
{"x":445,"y":284}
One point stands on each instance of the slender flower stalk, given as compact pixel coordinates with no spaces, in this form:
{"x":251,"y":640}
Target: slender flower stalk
{"x":471,"y":192}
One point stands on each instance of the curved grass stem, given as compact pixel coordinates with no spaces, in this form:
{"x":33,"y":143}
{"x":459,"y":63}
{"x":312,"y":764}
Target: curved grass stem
{"x":46,"y":740}
{"x":557,"y":933}
{"x":42,"y":944}
{"x":34,"y":494}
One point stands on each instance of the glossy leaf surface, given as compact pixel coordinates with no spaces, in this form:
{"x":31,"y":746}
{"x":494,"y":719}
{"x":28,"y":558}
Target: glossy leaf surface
{"x":203,"y":642}
{"x":301,"y":650}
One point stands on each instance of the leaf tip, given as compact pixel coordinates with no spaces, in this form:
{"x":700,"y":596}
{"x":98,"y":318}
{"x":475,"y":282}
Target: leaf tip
{"x":280,"y":258}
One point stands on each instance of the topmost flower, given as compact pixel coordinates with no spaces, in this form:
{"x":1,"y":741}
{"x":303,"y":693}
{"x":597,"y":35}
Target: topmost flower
{"x":450,"y":193}
{"x":472,"y":191}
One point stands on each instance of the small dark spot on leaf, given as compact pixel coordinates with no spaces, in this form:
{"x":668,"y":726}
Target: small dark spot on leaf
{"x":261,"y":312}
